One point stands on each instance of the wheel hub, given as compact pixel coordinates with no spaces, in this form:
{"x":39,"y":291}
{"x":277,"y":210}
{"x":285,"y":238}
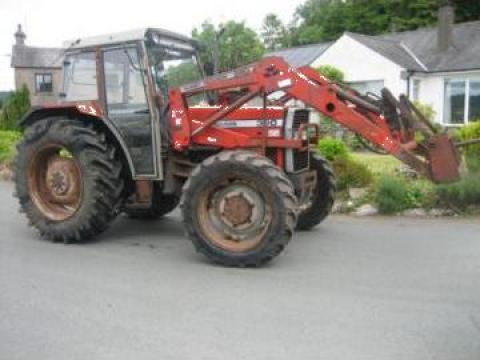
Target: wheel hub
{"x":237,"y":209}
{"x":55,"y":183}
{"x":238,"y":212}
{"x":62,"y":180}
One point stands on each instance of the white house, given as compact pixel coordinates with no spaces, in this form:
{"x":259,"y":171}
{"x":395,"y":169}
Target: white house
{"x":439,"y":66}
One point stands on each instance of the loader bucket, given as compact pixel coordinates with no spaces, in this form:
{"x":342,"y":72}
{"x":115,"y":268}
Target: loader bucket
{"x":444,"y":159}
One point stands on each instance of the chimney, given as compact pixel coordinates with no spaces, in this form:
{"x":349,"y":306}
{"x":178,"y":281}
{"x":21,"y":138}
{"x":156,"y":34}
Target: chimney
{"x":20,"y":36}
{"x":446,"y":21}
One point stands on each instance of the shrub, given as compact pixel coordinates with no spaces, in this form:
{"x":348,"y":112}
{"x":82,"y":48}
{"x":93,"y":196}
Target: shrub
{"x":332,"y":73}
{"x":351,"y":173}
{"x":462,"y":194}
{"x":392,"y":195}
{"x":472,"y":152}
{"x":426,"y":109}
{"x":8,"y":139}
{"x":332,"y":148}
{"x":14,"y":108}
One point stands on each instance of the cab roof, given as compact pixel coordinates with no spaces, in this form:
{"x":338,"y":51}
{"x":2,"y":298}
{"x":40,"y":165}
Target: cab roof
{"x":130,"y":36}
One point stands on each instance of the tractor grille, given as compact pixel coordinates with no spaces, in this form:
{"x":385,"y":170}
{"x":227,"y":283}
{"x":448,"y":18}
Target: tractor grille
{"x":301,"y":117}
{"x":300,"y":160}
{"x":297,"y":160}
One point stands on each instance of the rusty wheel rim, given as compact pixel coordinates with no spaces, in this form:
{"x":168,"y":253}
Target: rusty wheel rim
{"x":55,"y":183}
{"x":234,"y":215}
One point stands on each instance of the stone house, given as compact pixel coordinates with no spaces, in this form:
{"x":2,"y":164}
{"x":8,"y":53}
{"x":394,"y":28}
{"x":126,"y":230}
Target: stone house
{"x":40,"y":69}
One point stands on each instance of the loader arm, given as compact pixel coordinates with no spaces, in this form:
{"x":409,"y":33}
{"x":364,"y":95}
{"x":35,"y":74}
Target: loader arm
{"x":387,"y":122}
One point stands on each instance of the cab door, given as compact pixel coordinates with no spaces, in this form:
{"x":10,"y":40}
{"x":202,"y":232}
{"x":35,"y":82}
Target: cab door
{"x":128,"y":108}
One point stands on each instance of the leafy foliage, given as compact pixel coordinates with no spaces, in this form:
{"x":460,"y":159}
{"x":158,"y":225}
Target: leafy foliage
{"x":461,"y":194}
{"x":392,"y":195}
{"x":426,"y":109}
{"x":8,"y":139}
{"x":472,"y":152}
{"x":332,"y":148}
{"x":325,"y":20}
{"x":274,"y":33}
{"x":238,"y":44}
{"x":349,"y":172}
{"x":332,"y":73}
{"x":182,"y":74}
{"x":15,"y":107}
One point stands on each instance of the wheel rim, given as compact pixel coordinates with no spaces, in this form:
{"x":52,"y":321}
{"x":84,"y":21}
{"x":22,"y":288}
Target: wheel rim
{"x":234,"y":215}
{"x":54,"y":180}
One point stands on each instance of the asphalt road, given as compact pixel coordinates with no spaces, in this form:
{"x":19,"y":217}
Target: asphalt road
{"x":352,"y":289}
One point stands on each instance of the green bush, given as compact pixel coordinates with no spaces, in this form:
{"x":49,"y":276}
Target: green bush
{"x":392,"y":195}
{"x":472,"y":152}
{"x":8,"y":140}
{"x":14,"y":108}
{"x":332,"y":148}
{"x":462,"y":194}
{"x":351,"y":173}
{"x":426,"y":109}
{"x":332,"y":73}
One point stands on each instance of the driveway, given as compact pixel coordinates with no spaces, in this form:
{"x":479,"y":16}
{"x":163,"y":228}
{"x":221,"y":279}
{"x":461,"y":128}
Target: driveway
{"x":370,"y":288}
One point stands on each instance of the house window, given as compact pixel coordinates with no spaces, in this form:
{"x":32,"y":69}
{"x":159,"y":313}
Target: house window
{"x":416,"y":90}
{"x":43,"y":83}
{"x":364,"y":87}
{"x":462,"y":101}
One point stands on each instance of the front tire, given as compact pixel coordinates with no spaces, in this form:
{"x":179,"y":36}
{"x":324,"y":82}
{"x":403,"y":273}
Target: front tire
{"x":323,"y":197}
{"x":68,"y":179}
{"x":239,"y":209}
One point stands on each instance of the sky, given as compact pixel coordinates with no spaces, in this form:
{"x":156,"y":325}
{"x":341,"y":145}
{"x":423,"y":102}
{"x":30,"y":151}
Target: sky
{"x":51,"y":22}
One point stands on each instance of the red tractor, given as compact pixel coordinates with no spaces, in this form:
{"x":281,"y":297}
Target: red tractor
{"x":128,"y":138}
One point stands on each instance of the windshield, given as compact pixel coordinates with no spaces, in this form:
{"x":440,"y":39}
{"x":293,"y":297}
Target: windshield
{"x":172,"y":69}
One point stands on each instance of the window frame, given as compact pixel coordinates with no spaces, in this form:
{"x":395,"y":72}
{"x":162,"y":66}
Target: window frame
{"x":466,"y":106}
{"x":38,"y":89}
{"x":354,"y":84}
{"x":69,"y":76}
{"x":139,"y":53}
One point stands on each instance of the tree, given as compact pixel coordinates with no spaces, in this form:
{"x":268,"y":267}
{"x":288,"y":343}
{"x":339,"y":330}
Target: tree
{"x":238,"y":44}
{"x":325,"y":20}
{"x":182,"y":74}
{"x":15,"y":107}
{"x":274,"y":33}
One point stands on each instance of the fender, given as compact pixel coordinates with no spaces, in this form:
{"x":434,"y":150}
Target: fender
{"x":87,"y":109}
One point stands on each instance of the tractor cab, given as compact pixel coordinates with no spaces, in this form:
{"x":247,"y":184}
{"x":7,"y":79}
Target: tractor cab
{"x":126,"y":78}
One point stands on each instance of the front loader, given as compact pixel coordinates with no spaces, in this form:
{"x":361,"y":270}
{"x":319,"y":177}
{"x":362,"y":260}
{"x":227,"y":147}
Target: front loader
{"x":129,"y":138}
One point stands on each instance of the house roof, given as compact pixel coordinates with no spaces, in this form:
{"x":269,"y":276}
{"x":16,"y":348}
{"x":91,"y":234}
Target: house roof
{"x":302,"y":55}
{"x":36,"y":57}
{"x":417,"y":50}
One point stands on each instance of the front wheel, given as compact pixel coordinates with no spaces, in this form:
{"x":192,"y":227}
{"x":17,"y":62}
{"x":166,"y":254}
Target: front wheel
{"x":239,"y":209}
{"x":320,"y":203}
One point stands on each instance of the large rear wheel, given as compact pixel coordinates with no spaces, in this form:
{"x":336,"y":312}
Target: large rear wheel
{"x":68,"y":179}
{"x":239,"y":209}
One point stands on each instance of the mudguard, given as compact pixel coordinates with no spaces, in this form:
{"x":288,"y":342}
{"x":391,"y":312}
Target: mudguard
{"x":90,"y":109}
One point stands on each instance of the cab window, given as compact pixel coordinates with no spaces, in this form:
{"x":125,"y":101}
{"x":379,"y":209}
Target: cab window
{"x":124,"y":82}
{"x":80,"y":80}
